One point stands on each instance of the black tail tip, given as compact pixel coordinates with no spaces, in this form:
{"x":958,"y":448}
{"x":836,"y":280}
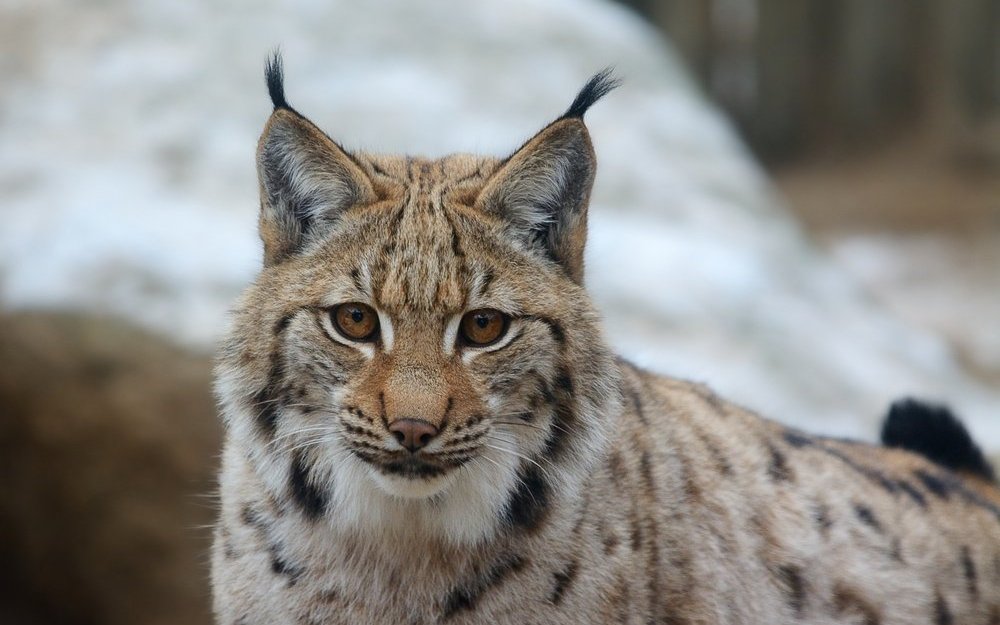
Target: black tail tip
{"x":934,"y":432}
{"x":599,"y":85}
{"x":274,"y":74}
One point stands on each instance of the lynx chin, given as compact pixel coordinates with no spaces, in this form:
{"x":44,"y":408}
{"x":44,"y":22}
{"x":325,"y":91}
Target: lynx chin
{"x":424,"y":425}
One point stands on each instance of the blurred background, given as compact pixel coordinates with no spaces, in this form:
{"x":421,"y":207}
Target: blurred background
{"x":798,"y":202}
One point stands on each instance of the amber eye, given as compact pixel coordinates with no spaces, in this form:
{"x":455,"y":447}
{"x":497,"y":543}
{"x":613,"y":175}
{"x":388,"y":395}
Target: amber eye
{"x":356,"y":321}
{"x":483,"y":327}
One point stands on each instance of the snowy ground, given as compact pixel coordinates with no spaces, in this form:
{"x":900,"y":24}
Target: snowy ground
{"x":127,"y":183}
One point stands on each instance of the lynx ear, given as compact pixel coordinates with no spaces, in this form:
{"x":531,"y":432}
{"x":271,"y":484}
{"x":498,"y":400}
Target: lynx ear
{"x":543,"y":189}
{"x":306,"y":180}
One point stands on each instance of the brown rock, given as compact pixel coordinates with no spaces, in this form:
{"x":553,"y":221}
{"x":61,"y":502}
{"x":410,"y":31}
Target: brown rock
{"x":108,"y":443}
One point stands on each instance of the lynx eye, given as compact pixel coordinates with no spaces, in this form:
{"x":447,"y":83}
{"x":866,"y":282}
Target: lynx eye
{"x":483,"y":327}
{"x":355,"y":321}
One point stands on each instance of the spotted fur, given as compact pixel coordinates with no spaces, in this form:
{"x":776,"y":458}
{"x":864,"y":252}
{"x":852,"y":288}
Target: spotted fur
{"x":566,"y":486}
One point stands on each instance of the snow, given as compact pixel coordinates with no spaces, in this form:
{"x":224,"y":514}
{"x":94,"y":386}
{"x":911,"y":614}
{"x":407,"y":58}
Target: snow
{"x":127,"y":132}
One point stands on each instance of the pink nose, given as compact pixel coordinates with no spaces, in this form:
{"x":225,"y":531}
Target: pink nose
{"x":413,"y":434}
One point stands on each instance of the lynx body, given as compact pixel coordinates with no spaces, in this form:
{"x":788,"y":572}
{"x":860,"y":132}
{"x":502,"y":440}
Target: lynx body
{"x":425,"y":425}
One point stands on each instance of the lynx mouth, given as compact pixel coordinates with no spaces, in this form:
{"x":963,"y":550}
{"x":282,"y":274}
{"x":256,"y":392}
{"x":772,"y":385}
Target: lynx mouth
{"x":412,"y":476}
{"x":419,"y":466}
{"x":413,"y":467}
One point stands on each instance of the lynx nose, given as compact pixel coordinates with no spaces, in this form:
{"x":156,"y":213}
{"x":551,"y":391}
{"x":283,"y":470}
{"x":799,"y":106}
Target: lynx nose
{"x":413,"y":434}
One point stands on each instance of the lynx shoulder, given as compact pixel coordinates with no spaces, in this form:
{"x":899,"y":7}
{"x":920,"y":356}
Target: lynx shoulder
{"x":425,"y":425}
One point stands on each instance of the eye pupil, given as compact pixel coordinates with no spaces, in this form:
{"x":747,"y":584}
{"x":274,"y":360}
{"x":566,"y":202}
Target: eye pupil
{"x":357,"y":316}
{"x":482,"y":321}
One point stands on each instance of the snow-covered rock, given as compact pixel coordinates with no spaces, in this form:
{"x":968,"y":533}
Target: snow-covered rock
{"x":127,"y":132}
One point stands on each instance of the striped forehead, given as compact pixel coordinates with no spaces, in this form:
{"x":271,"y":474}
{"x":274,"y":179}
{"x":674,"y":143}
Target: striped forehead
{"x":422,"y":265}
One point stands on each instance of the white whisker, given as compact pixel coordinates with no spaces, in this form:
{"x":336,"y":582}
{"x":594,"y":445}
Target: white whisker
{"x":517,"y":454}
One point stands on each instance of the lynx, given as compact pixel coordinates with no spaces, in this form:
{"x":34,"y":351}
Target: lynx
{"x":425,"y":425}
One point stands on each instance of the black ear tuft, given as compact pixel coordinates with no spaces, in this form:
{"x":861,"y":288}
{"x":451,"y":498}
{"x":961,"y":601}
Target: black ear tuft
{"x":934,"y":432}
{"x":596,"y":88}
{"x":274,"y":73}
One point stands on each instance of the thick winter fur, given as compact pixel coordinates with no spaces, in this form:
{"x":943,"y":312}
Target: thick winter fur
{"x":566,"y":486}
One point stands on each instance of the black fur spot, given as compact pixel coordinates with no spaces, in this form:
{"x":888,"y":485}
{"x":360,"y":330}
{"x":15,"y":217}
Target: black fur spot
{"x":942,"y":613}
{"x":635,"y":532}
{"x":969,"y":570}
{"x":797,"y":440}
{"x":253,"y":518}
{"x":456,"y":244}
{"x":268,"y":401}
{"x":466,"y":597}
{"x":596,"y":88}
{"x":309,"y":498}
{"x":913,"y":493}
{"x":563,"y":580}
{"x":563,"y":426}
{"x":822,"y":517}
{"x":933,"y":483}
{"x":637,"y":404}
{"x":283,"y":322}
{"x":646,"y":471}
{"x":866,"y":516}
{"x":274,"y":74}
{"x":564,"y":382}
{"x":934,"y":432}
{"x":280,"y":566}
{"x":565,"y":422}
{"x":791,"y":579}
{"x":777,"y":468}
{"x":529,"y":504}
{"x":267,"y":404}
{"x":557,"y":331}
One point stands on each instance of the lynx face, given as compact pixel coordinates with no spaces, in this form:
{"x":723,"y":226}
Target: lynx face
{"x":405,"y":347}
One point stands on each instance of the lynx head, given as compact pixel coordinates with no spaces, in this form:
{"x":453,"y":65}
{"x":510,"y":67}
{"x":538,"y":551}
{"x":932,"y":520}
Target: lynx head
{"x":418,"y":353}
